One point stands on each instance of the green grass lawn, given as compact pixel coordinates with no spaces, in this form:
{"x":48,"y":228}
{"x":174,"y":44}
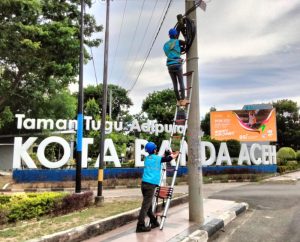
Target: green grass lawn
{"x":26,"y":230}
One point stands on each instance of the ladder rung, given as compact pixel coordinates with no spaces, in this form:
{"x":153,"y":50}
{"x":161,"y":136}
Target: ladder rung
{"x":188,"y":73}
{"x":170,"y":169}
{"x":164,"y":192}
{"x":176,"y":137}
{"x":188,"y":88}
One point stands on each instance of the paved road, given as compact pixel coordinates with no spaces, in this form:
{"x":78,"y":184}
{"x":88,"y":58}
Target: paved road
{"x":273,"y":215}
{"x":132,"y":193}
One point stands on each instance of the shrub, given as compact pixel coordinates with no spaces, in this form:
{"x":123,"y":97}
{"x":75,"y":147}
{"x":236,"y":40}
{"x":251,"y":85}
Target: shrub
{"x":235,"y":162}
{"x":35,"y":205}
{"x":32,"y":205}
{"x":298,"y":155}
{"x":281,"y":169}
{"x":129,"y":164}
{"x":4,"y":199}
{"x":281,"y":162}
{"x":3,"y":213}
{"x":292,"y":163}
{"x":286,"y":153}
{"x":73,"y":202}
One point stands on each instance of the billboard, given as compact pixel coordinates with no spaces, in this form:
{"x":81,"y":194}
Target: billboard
{"x":244,"y":125}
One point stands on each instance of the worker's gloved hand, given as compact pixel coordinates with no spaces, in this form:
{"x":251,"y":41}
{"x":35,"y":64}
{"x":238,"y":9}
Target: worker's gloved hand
{"x":175,"y":154}
{"x":167,"y":153}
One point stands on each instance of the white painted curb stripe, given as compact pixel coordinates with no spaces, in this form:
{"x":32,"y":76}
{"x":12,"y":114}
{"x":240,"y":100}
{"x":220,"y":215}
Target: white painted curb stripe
{"x":228,"y":217}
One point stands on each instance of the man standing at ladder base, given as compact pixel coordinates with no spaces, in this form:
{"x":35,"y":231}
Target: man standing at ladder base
{"x":173,"y":49}
{"x":150,"y":181}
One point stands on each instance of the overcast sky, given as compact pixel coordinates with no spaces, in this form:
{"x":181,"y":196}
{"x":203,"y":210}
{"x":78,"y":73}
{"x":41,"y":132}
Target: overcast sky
{"x":249,"y":51}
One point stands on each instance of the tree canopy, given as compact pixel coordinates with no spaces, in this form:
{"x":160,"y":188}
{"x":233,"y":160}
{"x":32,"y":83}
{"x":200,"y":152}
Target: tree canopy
{"x":39,"y":51}
{"x":120,"y":98}
{"x":205,"y":123}
{"x":160,"y":106}
{"x":288,"y":126}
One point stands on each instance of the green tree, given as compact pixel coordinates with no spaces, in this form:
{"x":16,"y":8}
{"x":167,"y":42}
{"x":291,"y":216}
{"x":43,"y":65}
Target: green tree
{"x":63,"y":105}
{"x":6,"y":116}
{"x":39,"y":51}
{"x":120,"y":98}
{"x":205,"y":123}
{"x":288,"y":126}
{"x":92,"y":108}
{"x":160,"y":106}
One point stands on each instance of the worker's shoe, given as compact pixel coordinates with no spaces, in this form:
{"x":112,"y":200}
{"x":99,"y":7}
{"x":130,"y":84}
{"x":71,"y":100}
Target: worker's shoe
{"x":154,"y":224}
{"x":140,"y":228}
{"x":183,"y":102}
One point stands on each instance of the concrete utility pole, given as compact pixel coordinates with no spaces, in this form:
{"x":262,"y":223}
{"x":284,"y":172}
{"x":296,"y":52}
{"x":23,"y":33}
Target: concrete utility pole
{"x":80,"y":105}
{"x":99,"y":198}
{"x":196,"y":213}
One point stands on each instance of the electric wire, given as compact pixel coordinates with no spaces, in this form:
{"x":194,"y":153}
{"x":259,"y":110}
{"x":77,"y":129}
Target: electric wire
{"x":118,"y":42}
{"x":94,"y":67}
{"x":134,"y":34}
{"x":155,"y":32}
{"x":95,"y":73}
{"x":142,"y":41}
{"x":151,"y":47}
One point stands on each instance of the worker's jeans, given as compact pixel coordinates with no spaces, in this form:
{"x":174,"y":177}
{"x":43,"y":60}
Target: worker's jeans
{"x":175,"y":72}
{"x":146,"y":209}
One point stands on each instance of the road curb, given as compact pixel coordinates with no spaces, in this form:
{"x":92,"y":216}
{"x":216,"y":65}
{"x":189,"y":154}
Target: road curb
{"x":202,"y":233}
{"x":99,"y":227}
{"x":283,"y":180}
{"x":60,"y":189}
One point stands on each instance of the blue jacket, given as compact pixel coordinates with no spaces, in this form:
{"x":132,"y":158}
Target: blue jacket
{"x":172,"y":51}
{"x":152,"y":169}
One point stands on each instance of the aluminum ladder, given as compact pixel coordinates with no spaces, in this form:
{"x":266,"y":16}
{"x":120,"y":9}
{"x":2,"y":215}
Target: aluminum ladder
{"x":164,"y":191}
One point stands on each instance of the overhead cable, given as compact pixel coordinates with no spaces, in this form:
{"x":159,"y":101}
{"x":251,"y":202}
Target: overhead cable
{"x":151,"y":47}
{"x":135,"y":31}
{"x":94,"y":66}
{"x":142,"y":41}
{"x":118,"y":41}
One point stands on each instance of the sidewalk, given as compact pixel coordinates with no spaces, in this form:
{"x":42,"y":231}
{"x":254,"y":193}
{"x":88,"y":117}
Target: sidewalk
{"x":177,"y":227}
{"x":288,"y":178}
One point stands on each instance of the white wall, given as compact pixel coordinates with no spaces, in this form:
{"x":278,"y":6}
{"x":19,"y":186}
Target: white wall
{"x":6,"y":156}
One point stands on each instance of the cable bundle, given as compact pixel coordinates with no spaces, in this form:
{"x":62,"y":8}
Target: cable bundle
{"x":187,"y":28}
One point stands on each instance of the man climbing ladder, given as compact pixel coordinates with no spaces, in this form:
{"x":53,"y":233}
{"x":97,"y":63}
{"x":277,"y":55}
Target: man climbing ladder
{"x":173,"y":50}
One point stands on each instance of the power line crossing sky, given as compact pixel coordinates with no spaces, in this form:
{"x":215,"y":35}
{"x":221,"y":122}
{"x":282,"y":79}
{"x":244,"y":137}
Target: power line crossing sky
{"x":249,"y":50}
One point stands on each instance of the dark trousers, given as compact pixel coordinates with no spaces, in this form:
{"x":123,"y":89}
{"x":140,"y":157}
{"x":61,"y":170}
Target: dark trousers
{"x":176,"y":75}
{"x":146,"y":209}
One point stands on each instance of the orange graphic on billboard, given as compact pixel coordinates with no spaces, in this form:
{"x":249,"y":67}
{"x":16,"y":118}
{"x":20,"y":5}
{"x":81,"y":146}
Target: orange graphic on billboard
{"x":244,"y":125}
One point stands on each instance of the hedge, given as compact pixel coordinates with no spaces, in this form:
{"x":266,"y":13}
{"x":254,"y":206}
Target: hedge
{"x":35,"y":205}
{"x":284,"y":154}
{"x":298,"y":155}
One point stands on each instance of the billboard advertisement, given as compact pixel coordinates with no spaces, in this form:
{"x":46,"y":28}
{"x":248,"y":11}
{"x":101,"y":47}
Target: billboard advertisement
{"x":244,"y":125}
